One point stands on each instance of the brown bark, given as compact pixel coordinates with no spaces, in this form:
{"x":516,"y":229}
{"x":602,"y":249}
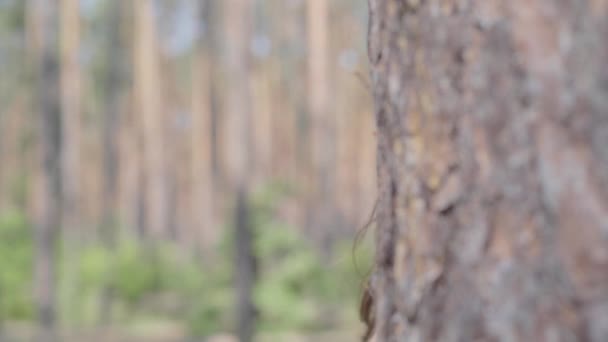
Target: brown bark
{"x":322,"y":138}
{"x":148,"y":84}
{"x":238,"y":139}
{"x":49,"y":217}
{"x":492,"y":170}
{"x":70,"y":99}
{"x":72,"y":210}
{"x":113,"y":88}
{"x":201,"y":139}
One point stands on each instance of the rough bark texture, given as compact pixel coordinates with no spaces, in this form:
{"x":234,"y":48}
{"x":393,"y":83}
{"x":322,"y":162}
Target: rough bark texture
{"x":492,"y":121}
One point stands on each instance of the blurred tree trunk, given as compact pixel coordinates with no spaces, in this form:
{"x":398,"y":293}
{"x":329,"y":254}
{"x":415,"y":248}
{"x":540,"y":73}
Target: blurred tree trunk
{"x":238,"y":142}
{"x":202,"y":132}
{"x":51,"y":196}
{"x":322,"y":123}
{"x":113,"y":87}
{"x":261,"y":90}
{"x":148,"y":89}
{"x":493,"y":170}
{"x":71,"y":106}
{"x":71,"y":142}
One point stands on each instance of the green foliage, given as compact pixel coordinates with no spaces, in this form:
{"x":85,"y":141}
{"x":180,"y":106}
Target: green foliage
{"x":137,"y":272}
{"x":295,"y":289}
{"x":15,"y":267}
{"x":295,"y":286}
{"x":12,"y":15}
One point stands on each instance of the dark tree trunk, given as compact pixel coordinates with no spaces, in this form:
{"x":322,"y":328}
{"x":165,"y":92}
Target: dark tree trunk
{"x":114,"y":86}
{"x":49,"y":220}
{"x":492,"y":126}
{"x":246,"y":267}
{"x":239,"y":147}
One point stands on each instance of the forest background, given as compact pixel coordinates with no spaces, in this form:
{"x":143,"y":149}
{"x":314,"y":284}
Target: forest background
{"x":174,"y":169}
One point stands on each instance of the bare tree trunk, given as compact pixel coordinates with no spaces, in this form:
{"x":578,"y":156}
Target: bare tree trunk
{"x":71,"y":139}
{"x":70,"y":97}
{"x":49,"y":218}
{"x":492,"y":170}
{"x":322,"y":124}
{"x":201,"y":140}
{"x":238,"y":139}
{"x":114,"y":87}
{"x":151,"y":113}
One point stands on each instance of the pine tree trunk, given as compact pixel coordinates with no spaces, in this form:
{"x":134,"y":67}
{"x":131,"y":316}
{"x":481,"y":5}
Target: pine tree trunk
{"x":147,"y":86}
{"x":202,"y":145}
{"x":49,"y":218}
{"x":322,"y":126}
{"x":238,"y":141}
{"x":492,"y":170}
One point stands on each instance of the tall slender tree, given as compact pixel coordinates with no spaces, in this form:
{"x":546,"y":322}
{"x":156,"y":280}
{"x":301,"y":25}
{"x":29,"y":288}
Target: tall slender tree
{"x":322,"y":123}
{"x":238,"y":142}
{"x":202,"y":131}
{"x":71,"y":142}
{"x":48,"y":221}
{"x":148,"y":93}
{"x":114,"y":86}
{"x":71,"y":109}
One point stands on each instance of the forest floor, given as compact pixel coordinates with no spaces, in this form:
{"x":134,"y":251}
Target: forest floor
{"x":26,"y":333}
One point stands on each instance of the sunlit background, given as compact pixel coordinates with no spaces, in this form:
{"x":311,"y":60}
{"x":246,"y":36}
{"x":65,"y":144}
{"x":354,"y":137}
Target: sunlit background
{"x":208,"y":164}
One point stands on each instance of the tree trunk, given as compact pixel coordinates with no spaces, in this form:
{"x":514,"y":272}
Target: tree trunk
{"x":492,"y":170}
{"x":113,"y":88}
{"x":202,"y":132}
{"x":49,"y":218}
{"x":71,"y":140}
{"x":322,"y":125}
{"x":70,"y":97}
{"x":238,"y":140}
{"x":149,"y":97}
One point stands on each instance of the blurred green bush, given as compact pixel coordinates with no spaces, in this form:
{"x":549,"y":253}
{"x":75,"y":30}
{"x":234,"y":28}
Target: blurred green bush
{"x":16,"y":267}
{"x":296,"y":289}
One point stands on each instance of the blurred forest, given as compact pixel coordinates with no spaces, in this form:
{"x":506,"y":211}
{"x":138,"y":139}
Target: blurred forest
{"x":182,"y":169}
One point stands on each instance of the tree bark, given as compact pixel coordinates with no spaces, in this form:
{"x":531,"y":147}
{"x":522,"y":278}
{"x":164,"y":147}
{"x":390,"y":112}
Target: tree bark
{"x":71,"y":141}
{"x":113,"y":87}
{"x":492,"y":170}
{"x":70,"y":99}
{"x":202,"y":144}
{"x":49,"y":217}
{"x":149,"y":97}
{"x":322,"y":138}
{"x":238,"y":140}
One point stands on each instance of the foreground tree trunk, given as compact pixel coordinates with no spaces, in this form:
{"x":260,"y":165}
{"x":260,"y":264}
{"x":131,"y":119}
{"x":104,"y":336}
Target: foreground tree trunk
{"x":493,"y":170}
